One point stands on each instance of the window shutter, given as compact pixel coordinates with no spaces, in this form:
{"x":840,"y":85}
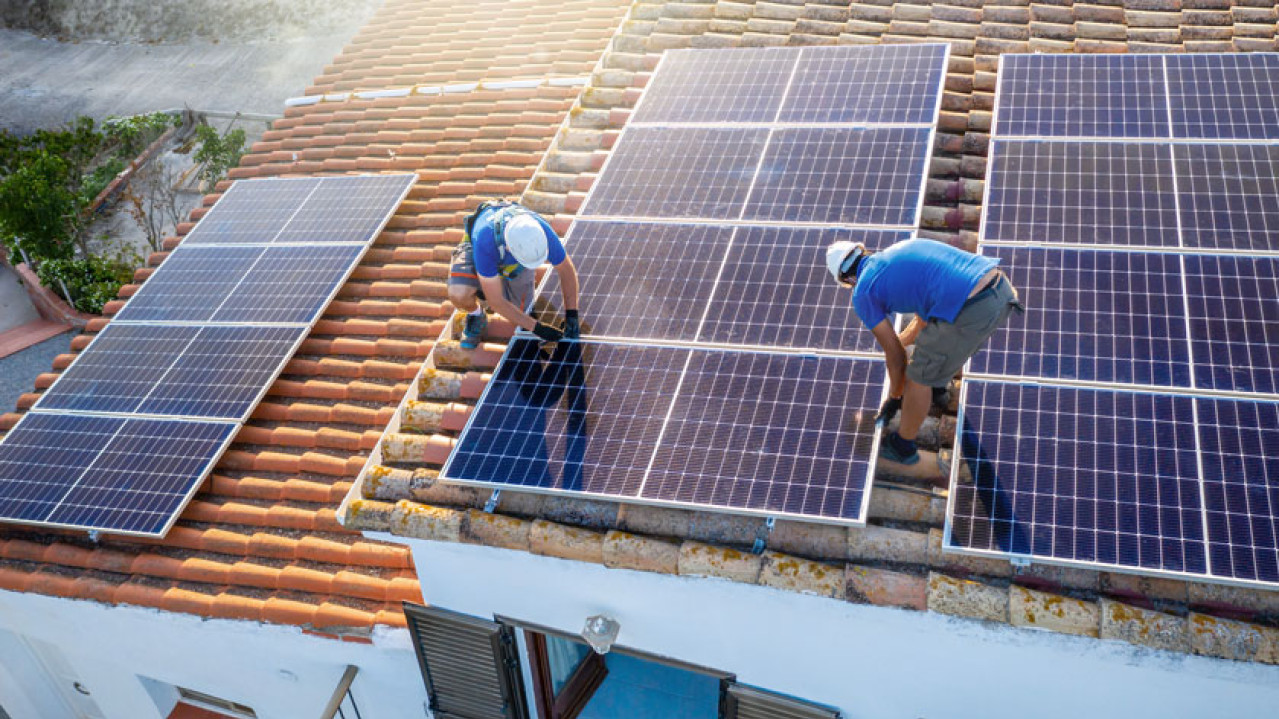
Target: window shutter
{"x":750,"y":703}
{"x":471,"y":665}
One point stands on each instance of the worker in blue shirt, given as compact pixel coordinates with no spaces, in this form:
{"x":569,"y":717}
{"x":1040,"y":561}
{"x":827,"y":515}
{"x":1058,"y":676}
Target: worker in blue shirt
{"x":495,"y":264}
{"x":959,"y":299}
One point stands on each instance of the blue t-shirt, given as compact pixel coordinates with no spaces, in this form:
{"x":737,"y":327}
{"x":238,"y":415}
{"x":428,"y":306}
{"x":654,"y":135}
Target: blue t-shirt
{"x":484,"y":242}
{"x":924,"y":277}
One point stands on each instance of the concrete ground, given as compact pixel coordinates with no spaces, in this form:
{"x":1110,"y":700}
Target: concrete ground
{"x":19,"y":370}
{"x":15,"y":307}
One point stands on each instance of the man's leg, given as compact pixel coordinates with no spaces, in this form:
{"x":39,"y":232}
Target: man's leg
{"x":464,"y":293}
{"x":916,"y":399}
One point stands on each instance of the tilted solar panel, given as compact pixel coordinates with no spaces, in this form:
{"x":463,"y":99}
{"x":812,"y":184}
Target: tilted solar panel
{"x":887,"y":84}
{"x":252,"y":211}
{"x":745,"y":85}
{"x":1082,"y":96}
{"x":1241,"y":487}
{"x":1229,"y":196}
{"x":1234,"y":322}
{"x":1224,"y":96}
{"x":128,"y":476}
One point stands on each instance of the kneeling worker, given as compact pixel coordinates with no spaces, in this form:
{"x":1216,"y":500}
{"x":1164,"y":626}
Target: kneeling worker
{"x":959,"y":299}
{"x":504,"y":243}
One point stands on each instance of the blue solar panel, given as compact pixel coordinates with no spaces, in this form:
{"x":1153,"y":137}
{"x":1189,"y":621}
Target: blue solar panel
{"x":738,"y":85}
{"x":774,"y":291}
{"x":842,"y":175}
{"x":1241,"y":487}
{"x":883,"y":84}
{"x":1087,"y":193}
{"x":1229,"y":196}
{"x":1087,"y":476}
{"x":1224,"y":96}
{"x":105,"y":473}
{"x":771,"y":433}
{"x":750,"y":432}
{"x":190,"y":371}
{"x":1115,"y":317}
{"x":678,"y":172}
{"x":252,"y":211}
{"x":1082,"y":96}
{"x":1234,"y":322}
{"x":282,"y":285}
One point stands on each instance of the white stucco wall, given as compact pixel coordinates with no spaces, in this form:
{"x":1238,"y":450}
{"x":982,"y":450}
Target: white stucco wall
{"x":871,"y":662}
{"x":278,"y":671}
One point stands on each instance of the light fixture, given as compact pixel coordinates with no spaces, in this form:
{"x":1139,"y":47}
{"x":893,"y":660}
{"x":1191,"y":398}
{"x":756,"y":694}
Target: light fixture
{"x":600,"y":632}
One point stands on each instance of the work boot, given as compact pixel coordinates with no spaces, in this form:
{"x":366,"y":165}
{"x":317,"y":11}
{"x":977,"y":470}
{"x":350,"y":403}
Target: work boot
{"x":896,"y":448}
{"x":473,"y":329}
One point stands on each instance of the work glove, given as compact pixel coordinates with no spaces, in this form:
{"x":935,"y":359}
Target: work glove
{"x":547,"y":333}
{"x":572,"y":325}
{"x":886,"y":413}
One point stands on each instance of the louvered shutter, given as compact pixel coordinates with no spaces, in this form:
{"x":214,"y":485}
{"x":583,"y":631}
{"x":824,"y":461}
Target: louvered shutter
{"x":471,"y":665}
{"x":750,"y":703}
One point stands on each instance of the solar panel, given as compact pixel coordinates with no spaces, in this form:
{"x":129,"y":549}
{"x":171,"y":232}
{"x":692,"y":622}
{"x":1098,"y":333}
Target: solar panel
{"x":842,"y":175}
{"x":883,"y":84}
{"x":678,"y":172}
{"x":1114,"y":317}
{"x":121,"y":475}
{"x":775,"y":434}
{"x":750,"y":432}
{"x":302,"y":210}
{"x":1224,"y":96}
{"x":1086,"y":193}
{"x":189,"y":371}
{"x":774,"y":291}
{"x":1234,"y":322}
{"x":1097,"y":477}
{"x":1082,"y":96}
{"x":739,"y":85}
{"x":1229,"y":196}
{"x":1241,"y":487}
{"x":283,"y":285}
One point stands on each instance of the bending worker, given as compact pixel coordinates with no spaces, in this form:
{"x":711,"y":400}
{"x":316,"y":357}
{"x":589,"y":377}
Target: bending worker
{"x":959,"y":299}
{"x":495,"y":265}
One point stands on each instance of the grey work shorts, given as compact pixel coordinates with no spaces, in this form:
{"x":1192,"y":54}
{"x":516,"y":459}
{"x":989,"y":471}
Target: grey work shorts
{"x":942,"y":348}
{"x":518,"y":291}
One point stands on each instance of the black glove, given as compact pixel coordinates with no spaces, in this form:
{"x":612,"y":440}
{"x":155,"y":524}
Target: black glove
{"x":572,"y":325}
{"x":886,"y":413}
{"x":547,"y":333}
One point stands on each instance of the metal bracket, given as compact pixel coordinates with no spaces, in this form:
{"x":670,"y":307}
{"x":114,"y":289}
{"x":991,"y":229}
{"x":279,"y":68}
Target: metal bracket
{"x":94,"y":536}
{"x":1019,"y":560}
{"x":761,"y":539}
{"x":491,"y":504}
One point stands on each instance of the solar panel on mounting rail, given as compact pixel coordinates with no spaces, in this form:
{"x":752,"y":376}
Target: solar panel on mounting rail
{"x":1229,"y":196}
{"x":123,"y":475}
{"x":1086,"y":193}
{"x":1234,"y":322}
{"x":881,"y":84}
{"x":745,"y":85}
{"x":284,"y":285}
{"x":1082,"y":96}
{"x":312,"y":210}
{"x":768,"y":433}
{"x":1224,"y":96}
{"x":174,"y":370}
{"x":1097,"y":316}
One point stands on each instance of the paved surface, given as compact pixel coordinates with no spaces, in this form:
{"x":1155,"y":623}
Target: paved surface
{"x":18,"y":371}
{"x":44,"y":82}
{"x":15,"y":306}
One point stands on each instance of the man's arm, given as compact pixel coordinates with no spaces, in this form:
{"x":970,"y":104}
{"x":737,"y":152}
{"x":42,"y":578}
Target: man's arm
{"x":911,"y":333}
{"x":493,"y":290}
{"x":894,"y":357}
{"x":567,"y":272}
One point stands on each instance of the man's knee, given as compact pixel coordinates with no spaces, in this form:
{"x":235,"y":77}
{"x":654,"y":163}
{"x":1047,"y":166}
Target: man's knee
{"x":462,"y":297}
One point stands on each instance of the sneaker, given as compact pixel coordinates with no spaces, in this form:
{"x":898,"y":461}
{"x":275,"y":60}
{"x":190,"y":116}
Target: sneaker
{"x":889,"y":452}
{"x":473,"y":329}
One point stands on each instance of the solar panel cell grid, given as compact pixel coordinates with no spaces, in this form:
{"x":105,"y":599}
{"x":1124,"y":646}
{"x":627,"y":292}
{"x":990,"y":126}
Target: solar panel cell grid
{"x":891,"y":84}
{"x":1082,"y":96}
{"x":1080,"y":475}
{"x":1087,"y":193}
{"x":346,"y":209}
{"x":679,"y":172}
{"x":1092,"y":315}
{"x":1234,"y":322}
{"x":775,"y":434}
{"x":842,"y":175}
{"x":1229,"y":196}
{"x":252,"y":211}
{"x":742,"y":85}
{"x":119,"y":369}
{"x":190,"y":284}
{"x":1225,"y":96}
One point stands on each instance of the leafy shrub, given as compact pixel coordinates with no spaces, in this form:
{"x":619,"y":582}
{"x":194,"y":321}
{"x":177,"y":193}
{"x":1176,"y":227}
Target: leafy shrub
{"x":132,"y":134}
{"x":217,"y":154}
{"x":38,"y":205}
{"x":95,"y":182}
{"x":92,"y":282}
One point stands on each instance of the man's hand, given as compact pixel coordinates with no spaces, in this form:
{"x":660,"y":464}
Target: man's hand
{"x":572,"y":324}
{"x":547,"y":333}
{"x":911,"y":333}
{"x":891,"y":407}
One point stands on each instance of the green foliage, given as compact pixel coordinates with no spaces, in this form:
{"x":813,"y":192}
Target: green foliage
{"x":92,"y":282}
{"x":95,"y":182}
{"x":132,"y":134}
{"x":38,"y":205}
{"x":217,"y":154}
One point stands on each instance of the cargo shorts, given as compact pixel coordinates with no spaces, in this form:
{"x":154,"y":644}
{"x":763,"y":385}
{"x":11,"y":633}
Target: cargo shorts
{"x":518,"y":290}
{"x":942,"y":348}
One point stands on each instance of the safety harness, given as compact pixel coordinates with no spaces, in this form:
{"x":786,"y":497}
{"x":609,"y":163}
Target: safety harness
{"x":506,"y":209}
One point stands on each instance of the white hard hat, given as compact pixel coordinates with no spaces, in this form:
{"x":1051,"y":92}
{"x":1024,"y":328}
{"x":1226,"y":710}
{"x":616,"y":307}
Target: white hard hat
{"x":839,"y":255}
{"x":526,"y":240}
